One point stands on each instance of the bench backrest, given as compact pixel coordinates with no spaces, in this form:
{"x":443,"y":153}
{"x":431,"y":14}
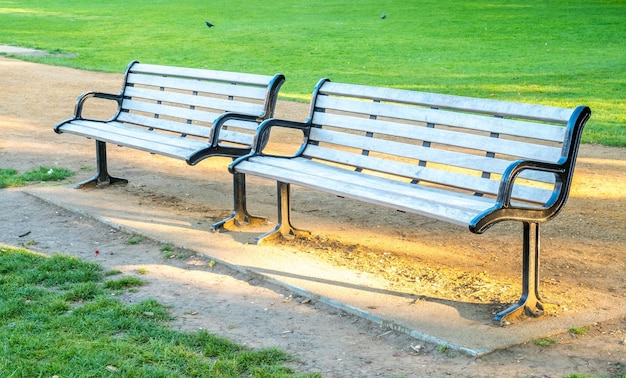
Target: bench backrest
{"x":186,"y":101}
{"x":458,"y":143}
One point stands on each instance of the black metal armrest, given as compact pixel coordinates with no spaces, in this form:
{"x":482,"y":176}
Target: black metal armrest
{"x":219,"y":122}
{"x":510,"y":175}
{"x":264,"y":130}
{"x":504,"y":210}
{"x":78,"y":109}
{"x":262,"y":136}
{"x":80,"y":102}
{"x":563,"y":170}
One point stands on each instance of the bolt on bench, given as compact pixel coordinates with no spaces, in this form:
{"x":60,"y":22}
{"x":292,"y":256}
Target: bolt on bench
{"x":466,"y":161}
{"x":183,"y":113}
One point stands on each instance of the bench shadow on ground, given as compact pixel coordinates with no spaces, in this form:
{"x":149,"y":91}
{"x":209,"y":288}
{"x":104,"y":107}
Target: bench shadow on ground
{"x":164,"y":219}
{"x":470,"y":311}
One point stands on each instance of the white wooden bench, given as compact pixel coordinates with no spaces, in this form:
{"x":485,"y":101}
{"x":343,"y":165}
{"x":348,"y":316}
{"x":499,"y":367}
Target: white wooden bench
{"x":467,"y":161}
{"x":183,"y":113}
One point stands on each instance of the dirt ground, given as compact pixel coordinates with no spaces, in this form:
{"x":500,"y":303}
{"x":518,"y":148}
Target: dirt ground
{"x":583,"y":249}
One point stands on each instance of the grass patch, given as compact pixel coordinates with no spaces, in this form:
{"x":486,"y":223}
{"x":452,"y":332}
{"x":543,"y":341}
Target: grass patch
{"x":579,"y":331}
{"x":10,"y":177}
{"x":123,"y":283}
{"x":135,"y":240}
{"x":58,"y":319}
{"x":166,"y":248}
{"x":167,"y":251}
{"x":563,"y":53}
{"x":545,"y":341}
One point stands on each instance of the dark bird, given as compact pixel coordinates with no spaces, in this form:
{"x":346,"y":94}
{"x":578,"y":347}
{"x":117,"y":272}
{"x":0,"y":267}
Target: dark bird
{"x":208,"y":24}
{"x":384,"y":15}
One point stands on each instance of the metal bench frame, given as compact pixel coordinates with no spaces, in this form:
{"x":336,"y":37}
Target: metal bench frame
{"x":467,"y":161}
{"x":184,"y":113}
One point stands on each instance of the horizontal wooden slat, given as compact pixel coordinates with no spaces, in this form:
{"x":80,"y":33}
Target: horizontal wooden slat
{"x":414,"y":172}
{"x":236,"y":137}
{"x":444,"y":118}
{"x":198,"y":115}
{"x":122,"y":131}
{"x":487,"y":106}
{"x":242,"y":125}
{"x":480,"y":163}
{"x":191,"y":100}
{"x":438,"y":210}
{"x":235,"y":131}
{"x":166,"y":125}
{"x":117,"y":133}
{"x":319,"y":169}
{"x":228,"y":77}
{"x":446,"y":137}
{"x":216,"y":88}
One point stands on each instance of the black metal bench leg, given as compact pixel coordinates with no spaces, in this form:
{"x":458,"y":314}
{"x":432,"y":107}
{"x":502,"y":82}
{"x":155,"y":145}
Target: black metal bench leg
{"x":530,"y":302}
{"x":102,"y":176}
{"x":284,"y":227}
{"x":240,"y":216}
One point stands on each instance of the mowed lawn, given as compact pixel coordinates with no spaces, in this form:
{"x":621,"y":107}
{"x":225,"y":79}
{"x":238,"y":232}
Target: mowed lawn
{"x":555,"y":52}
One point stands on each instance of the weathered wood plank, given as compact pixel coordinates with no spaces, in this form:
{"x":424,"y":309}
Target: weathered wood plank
{"x":459,"y":199}
{"x":405,"y":113}
{"x":425,"y":155}
{"x":453,"y":180}
{"x":197,"y":114}
{"x":203,"y":74}
{"x":166,"y":125}
{"x":191,"y":100}
{"x":374,"y":195}
{"x":486,"y":106}
{"x":445,"y":137}
{"x":215,"y":88}
{"x":172,"y":146}
{"x":236,"y":137}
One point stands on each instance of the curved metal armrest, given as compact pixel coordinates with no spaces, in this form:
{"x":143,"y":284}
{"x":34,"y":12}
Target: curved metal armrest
{"x":262,"y":136}
{"x":264,"y":130}
{"x":80,"y":102}
{"x":510,"y":175}
{"x":219,"y":122}
{"x":504,"y":210}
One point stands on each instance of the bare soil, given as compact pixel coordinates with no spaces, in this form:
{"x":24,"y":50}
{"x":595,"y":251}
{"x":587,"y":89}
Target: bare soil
{"x":584,"y":249}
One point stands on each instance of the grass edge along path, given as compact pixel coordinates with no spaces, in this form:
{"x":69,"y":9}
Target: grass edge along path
{"x":9,"y":177}
{"x":58,"y":318}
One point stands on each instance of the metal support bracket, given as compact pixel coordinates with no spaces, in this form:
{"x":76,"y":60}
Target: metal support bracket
{"x":530,"y":301}
{"x":240,"y":216}
{"x":284,"y":227}
{"x":102,"y":176}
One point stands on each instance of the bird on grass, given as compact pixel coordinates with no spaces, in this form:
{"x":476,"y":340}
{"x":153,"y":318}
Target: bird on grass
{"x":209,"y":24}
{"x":384,"y":15}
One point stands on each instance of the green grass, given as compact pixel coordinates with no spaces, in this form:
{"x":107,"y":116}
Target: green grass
{"x":579,"y":331}
{"x":10,"y":178}
{"x":545,"y":341}
{"x":554,"y":52}
{"x":135,"y":240}
{"x":58,"y":318}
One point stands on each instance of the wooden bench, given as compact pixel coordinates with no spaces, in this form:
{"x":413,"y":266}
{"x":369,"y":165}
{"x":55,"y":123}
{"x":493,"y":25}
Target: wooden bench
{"x":467,"y":161}
{"x":183,"y":113}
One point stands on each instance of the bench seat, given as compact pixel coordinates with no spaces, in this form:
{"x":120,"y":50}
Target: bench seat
{"x":449,"y":206}
{"x":142,"y":139}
